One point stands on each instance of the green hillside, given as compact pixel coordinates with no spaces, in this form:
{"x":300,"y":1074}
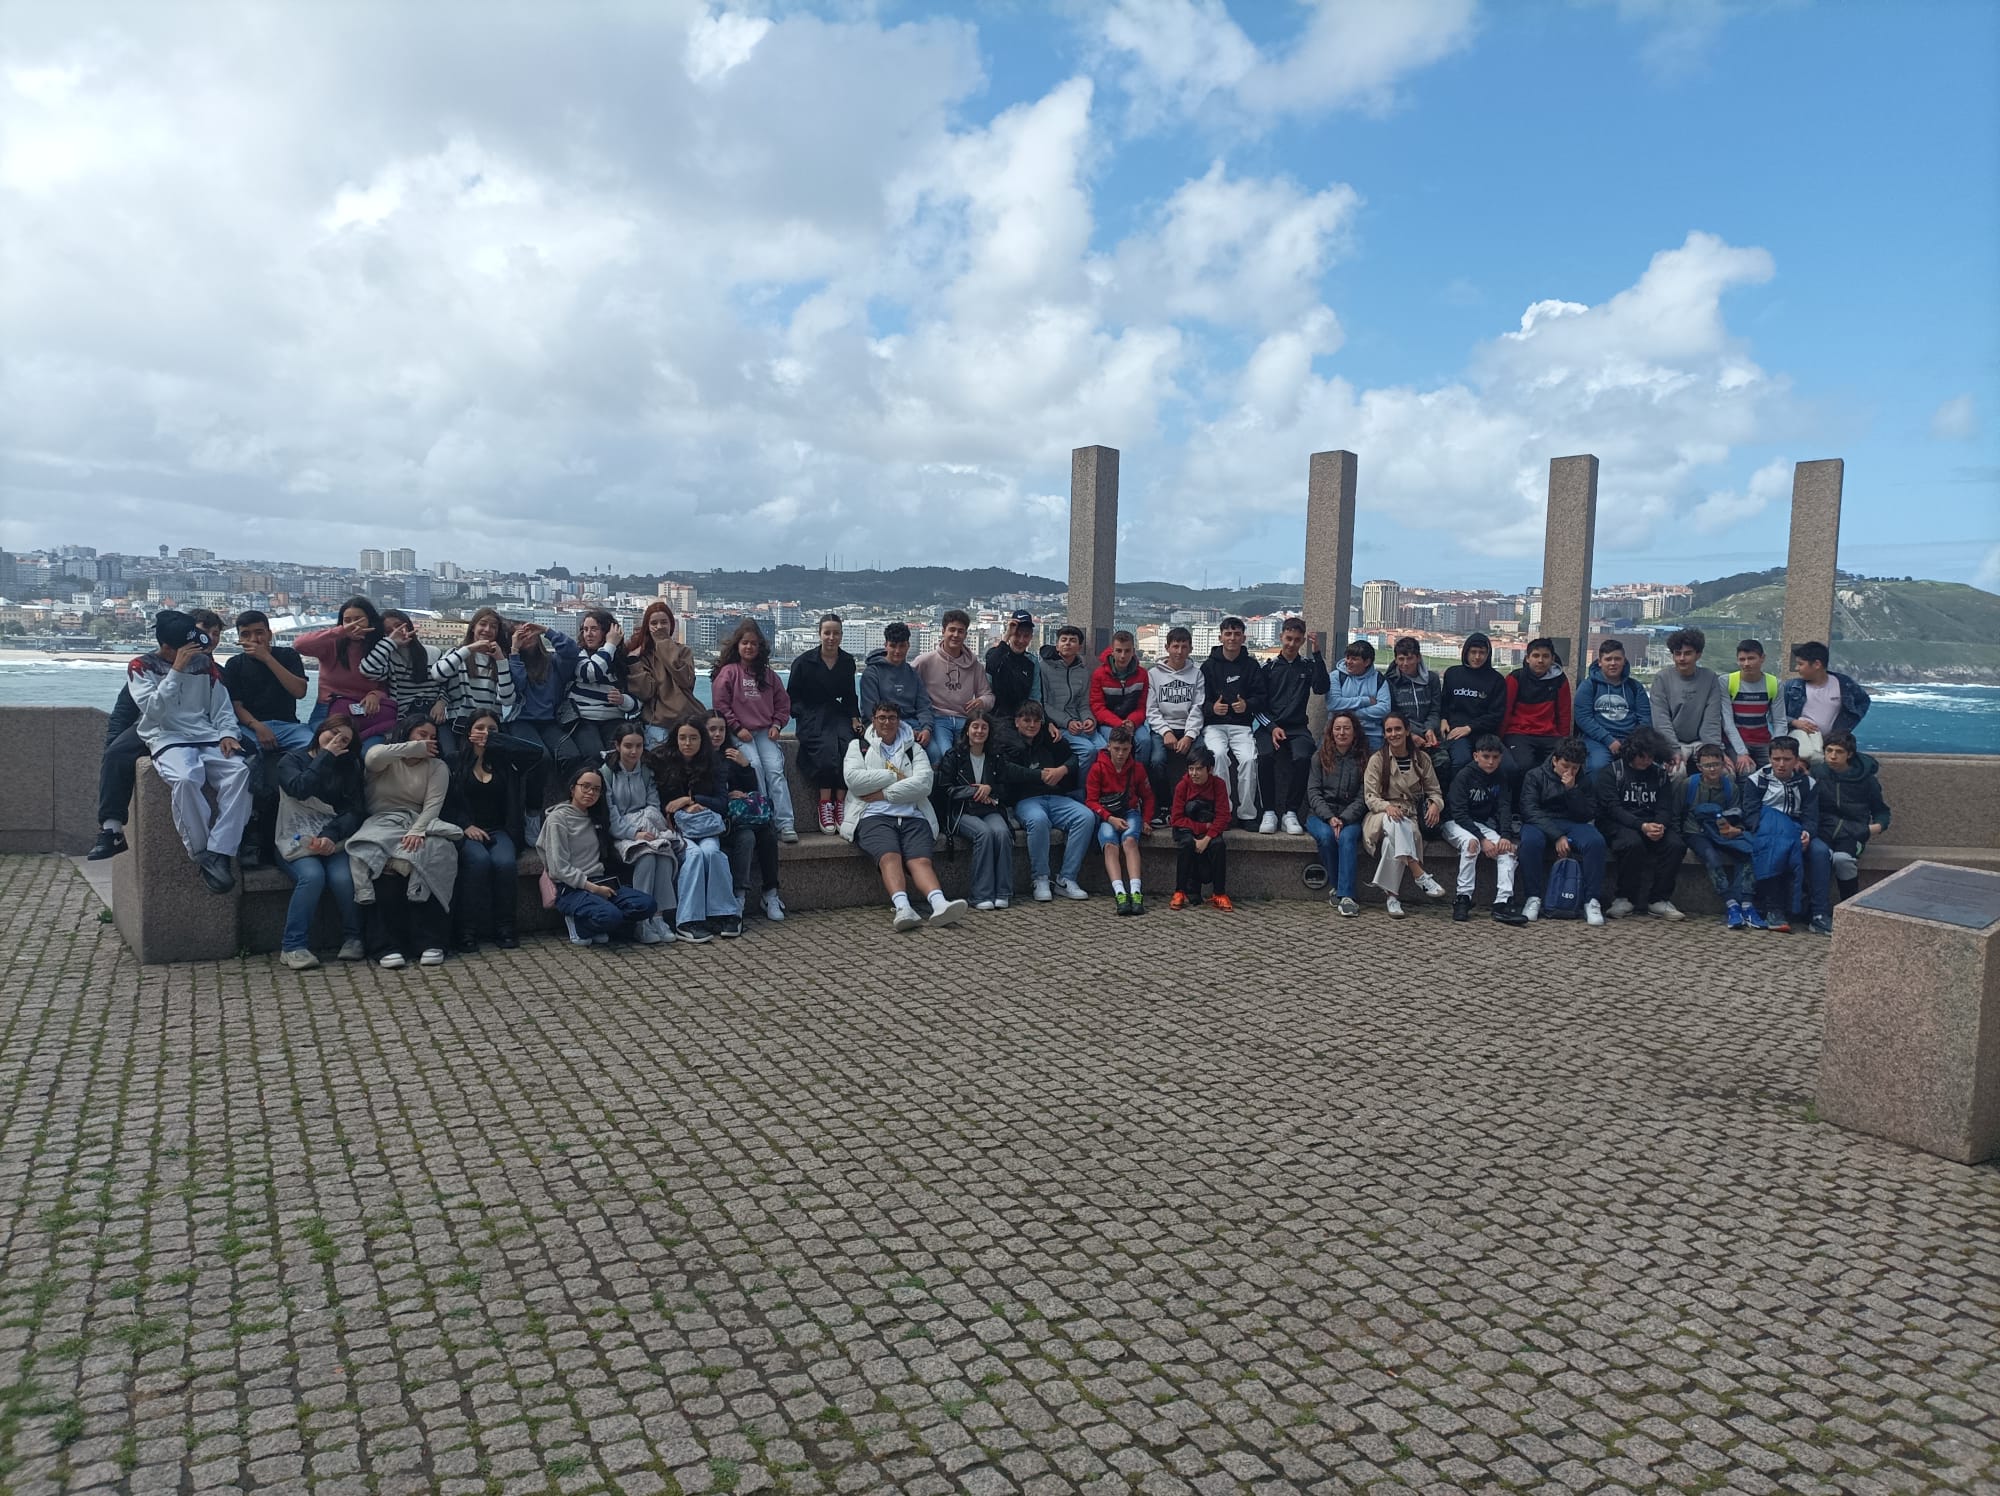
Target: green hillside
{"x":1883,"y":629}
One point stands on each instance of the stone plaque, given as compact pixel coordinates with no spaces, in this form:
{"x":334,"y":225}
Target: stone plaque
{"x":1951,"y":895}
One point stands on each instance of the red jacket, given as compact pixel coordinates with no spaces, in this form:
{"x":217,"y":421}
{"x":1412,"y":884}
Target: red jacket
{"x":1134,"y":784}
{"x":1535,"y":709}
{"x":1114,"y":701}
{"x":1215,"y":790}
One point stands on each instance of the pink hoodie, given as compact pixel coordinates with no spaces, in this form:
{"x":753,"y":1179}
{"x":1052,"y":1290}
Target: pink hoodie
{"x":743,"y":704}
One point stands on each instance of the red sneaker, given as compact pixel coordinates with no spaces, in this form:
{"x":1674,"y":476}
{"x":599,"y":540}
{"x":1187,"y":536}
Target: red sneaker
{"x":1221,"y":901}
{"x":1178,"y":901}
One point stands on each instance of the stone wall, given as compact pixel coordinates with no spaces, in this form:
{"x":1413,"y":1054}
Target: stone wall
{"x":48,"y":777}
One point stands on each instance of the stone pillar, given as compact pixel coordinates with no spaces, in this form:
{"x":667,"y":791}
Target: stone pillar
{"x":1093,"y":544}
{"x":1329,"y":589}
{"x":1810,"y":562}
{"x":1570,"y":539}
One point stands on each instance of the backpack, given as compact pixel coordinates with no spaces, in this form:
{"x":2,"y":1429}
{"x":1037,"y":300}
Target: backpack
{"x":1563,"y":897}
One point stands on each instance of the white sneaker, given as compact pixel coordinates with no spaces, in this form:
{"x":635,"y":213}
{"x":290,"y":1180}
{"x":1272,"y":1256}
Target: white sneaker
{"x":1001,"y":903}
{"x":1395,"y":907}
{"x":1268,"y":824}
{"x":1292,"y":826}
{"x":648,"y":932}
{"x":1071,"y":889}
{"x":788,"y":834}
{"x":951,"y":914}
{"x":1619,"y":909}
{"x":774,"y":907}
{"x":664,"y":925}
{"x":1532,"y":910}
{"x":1431,"y":887}
{"x":299,"y":960}
{"x":431,"y":957}
{"x":984,"y":906}
{"x":601,"y":939}
{"x":1592,"y":915}
{"x":393,"y":961}
{"x":907,"y":919}
{"x":576,"y":936}
{"x":1042,"y":894}
{"x":352,"y":950}
{"x":1664,"y":909}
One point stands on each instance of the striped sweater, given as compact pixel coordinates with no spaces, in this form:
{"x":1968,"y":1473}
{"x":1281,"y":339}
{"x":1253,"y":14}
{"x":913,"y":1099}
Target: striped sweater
{"x":598,"y":674}
{"x":474,"y":683}
{"x":412,"y":689}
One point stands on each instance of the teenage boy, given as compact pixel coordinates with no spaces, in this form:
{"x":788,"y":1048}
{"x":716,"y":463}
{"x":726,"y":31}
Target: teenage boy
{"x":1173,"y":713}
{"x":266,"y":683}
{"x":1851,"y":808}
{"x":1793,"y":867}
{"x":1559,"y":810}
{"x":1013,"y":672}
{"x":1609,"y":705}
{"x":1119,"y":794}
{"x":1687,"y":700}
{"x":1417,"y":695}
{"x":955,"y":682}
{"x":1039,"y":776}
{"x":1475,"y":698}
{"x":190,"y":730}
{"x":118,"y":769}
{"x":1358,"y":687}
{"x":889,"y":817}
{"x":889,"y":676}
{"x":1635,"y":800}
{"x":1819,"y":700}
{"x":1199,"y":818}
{"x":1539,"y":713}
{"x":1753,"y":707}
{"x":1479,"y":822}
{"x":1285,"y":748}
{"x":1066,"y":699}
{"x":1118,"y":688}
{"x":1232,"y":709}
{"x":1712,"y":825}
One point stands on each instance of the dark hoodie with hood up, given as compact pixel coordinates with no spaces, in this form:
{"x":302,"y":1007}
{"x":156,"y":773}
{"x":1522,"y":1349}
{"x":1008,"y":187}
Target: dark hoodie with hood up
{"x":1848,"y":801}
{"x":1475,"y":698}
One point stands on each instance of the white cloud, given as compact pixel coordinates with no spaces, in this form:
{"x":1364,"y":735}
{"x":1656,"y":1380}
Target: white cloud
{"x":1681,"y":33}
{"x":719,"y":43}
{"x":1185,"y":56}
{"x":1957,"y":420}
{"x":1988,"y":575}
{"x":1724,"y":509}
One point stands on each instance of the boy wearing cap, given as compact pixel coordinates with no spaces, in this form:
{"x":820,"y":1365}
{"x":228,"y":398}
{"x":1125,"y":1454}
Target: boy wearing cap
{"x":1013,"y":673}
{"x":118,"y":770}
{"x":189,"y":728}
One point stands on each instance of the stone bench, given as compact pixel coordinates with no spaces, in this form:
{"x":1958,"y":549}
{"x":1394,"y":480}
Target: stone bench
{"x":165,"y":914}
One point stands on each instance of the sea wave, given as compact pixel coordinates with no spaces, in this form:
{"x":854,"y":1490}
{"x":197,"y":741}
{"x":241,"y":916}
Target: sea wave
{"x":1940,"y":698}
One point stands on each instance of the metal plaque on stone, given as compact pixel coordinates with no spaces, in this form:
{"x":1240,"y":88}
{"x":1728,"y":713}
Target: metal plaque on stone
{"x":1960,"y":896}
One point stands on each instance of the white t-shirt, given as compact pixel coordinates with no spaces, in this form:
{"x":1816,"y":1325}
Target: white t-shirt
{"x":1823,"y":703}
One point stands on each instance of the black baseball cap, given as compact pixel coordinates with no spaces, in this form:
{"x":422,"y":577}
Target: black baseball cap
{"x":1021,"y":617}
{"x":174,"y":628}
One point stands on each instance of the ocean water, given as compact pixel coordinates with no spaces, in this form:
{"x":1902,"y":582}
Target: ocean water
{"x":1903,"y":719}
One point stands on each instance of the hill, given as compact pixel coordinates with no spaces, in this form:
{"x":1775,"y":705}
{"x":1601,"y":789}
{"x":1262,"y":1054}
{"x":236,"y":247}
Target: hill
{"x":932,"y":586}
{"x":1884,"y":629}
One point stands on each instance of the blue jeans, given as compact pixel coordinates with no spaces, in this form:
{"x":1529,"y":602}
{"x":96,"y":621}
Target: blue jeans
{"x":944,"y":732}
{"x":1106,"y":836}
{"x":1086,"y":746}
{"x":487,"y":875}
{"x":1585,"y":841}
{"x":1339,"y":852}
{"x":1728,"y":867}
{"x":767,"y":757}
{"x":312,"y":876}
{"x":1806,"y":884}
{"x":596,"y":915}
{"x":1074,"y":820}
{"x":706,"y":888}
{"x":318,"y":719}
{"x":1596,"y":756}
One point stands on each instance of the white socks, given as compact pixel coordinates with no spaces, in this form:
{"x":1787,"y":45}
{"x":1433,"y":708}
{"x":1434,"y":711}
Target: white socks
{"x":1117,"y":888}
{"x":899,"y":901}
{"x":938,"y":900}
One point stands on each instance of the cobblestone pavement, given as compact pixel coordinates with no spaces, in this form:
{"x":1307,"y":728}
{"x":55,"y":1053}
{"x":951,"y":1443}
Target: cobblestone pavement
{"x":1209,"y":1203}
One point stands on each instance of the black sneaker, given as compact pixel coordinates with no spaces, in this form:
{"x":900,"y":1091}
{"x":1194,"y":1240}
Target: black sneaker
{"x":695,"y":932}
{"x":731,"y":927}
{"x":216,"y":872}
{"x":506,"y":939}
{"x":250,"y":857}
{"x":108,"y":844}
{"x":1461,"y":908}
{"x":1507,"y":914}
{"x":467,"y":944}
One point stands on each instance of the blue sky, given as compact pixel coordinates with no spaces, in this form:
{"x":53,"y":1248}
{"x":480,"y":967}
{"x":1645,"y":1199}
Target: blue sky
{"x":690,"y":285}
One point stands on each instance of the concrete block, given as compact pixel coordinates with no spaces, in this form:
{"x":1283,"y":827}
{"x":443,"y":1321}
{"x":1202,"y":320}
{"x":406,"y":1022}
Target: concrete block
{"x":1093,"y":544}
{"x":158,"y":901}
{"x":1912,"y":1026}
{"x":1812,"y":559}
{"x":1569,"y":544}
{"x":48,"y":766}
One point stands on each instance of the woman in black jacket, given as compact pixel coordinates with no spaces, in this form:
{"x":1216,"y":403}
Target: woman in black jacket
{"x":736,"y":779}
{"x":321,"y":803}
{"x":488,"y":798}
{"x":1335,"y":806}
{"x":967,"y":797}
{"x":826,"y":715}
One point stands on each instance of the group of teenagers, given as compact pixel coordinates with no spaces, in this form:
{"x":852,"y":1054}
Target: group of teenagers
{"x":411,"y":786}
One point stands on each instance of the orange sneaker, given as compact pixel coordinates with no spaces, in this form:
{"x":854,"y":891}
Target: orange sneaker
{"x":1221,"y":901}
{"x":1178,"y":901}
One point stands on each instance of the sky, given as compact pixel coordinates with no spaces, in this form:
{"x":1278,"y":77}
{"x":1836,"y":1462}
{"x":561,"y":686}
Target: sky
{"x":678,"y":284}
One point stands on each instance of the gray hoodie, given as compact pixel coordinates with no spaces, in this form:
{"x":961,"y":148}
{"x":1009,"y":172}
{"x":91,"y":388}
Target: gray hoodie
{"x":881,"y":681}
{"x":180,"y":708}
{"x":1688,"y":709}
{"x":1066,"y":692}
